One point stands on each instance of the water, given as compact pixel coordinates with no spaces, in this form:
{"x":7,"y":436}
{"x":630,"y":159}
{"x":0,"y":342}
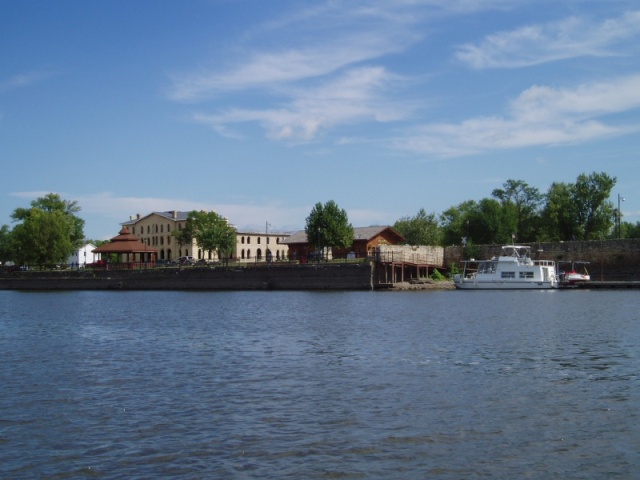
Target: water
{"x":317,"y":385}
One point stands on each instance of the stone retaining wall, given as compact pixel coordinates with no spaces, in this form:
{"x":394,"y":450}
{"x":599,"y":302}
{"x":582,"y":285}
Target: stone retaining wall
{"x":308,"y":277}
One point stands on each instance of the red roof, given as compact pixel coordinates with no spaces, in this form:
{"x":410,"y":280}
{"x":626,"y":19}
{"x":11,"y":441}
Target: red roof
{"x":125,"y":242}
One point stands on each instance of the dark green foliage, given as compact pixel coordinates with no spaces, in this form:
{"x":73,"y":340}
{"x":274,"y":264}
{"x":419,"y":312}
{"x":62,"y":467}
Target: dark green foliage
{"x":422,"y":229}
{"x":48,"y":233}
{"x":328,"y":226}
{"x":211,"y":232}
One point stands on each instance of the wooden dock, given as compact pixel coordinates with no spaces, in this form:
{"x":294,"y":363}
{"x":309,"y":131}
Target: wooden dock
{"x":602,"y":285}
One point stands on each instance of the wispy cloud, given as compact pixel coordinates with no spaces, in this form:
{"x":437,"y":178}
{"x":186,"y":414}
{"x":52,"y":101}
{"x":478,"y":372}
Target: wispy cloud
{"x":538,"y":116}
{"x":23,"y":80}
{"x":536,"y":44}
{"x":357,"y":95}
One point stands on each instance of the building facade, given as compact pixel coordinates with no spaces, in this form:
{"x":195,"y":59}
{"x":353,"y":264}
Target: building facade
{"x":365,"y":242}
{"x":83,"y":256}
{"x":156,"y":230}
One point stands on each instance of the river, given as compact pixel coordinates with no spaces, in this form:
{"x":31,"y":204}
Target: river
{"x":318,"y":385}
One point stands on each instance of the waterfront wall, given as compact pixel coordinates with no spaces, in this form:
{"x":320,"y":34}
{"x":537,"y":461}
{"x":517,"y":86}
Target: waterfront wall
{"x":609,"y":259}
{"x":293,"y":277}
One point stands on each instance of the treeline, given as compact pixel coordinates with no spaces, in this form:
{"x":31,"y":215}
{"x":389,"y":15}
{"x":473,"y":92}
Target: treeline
{"x":567,"y":211}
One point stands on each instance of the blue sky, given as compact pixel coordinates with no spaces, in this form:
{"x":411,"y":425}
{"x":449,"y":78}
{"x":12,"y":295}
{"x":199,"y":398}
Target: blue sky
{"x":260,"y":109}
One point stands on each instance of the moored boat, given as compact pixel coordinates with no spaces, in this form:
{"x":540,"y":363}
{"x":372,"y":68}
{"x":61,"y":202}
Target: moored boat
{"x":512,"y":269}
{"x":577,"y":274}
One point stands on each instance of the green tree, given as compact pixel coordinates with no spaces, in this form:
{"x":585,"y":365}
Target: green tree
{"x":211,"y":232}
{"x":6,"y":245}
{"x":422,"y":229}
{"x":579,"y":211}
{"x":630,"y":230}
{"x":595,"y":213}
{"x":328,"y":226}
{"x":49,"y":231}
{"x":522,"y":203}
{"x":455,"y":223}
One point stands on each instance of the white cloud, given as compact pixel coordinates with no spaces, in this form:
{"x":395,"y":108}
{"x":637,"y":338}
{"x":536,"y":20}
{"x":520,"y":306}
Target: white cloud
{"x":357,"y":95}
{"x":273,"y":69}
{"x":23,"y":80}
{"x":109,"y":210}
{"x":535,"y":44}
{"x":538,"y":116}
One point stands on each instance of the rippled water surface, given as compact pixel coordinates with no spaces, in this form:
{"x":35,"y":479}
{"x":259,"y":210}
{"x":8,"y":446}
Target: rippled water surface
{"x":436,"y":384}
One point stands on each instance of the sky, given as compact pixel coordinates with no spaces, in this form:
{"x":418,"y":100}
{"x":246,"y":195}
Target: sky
{"x":260,"y":109}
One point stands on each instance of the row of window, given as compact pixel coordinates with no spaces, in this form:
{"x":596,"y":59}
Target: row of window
{"x":523,"y":275}
{"x":158,"y":229}
{"x":247,"y":239}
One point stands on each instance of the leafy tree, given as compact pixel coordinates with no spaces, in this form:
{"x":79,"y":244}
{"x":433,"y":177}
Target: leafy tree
{"x":455,"y":223}
{"x":558,"y":215}
{"x":490,"y":223}
{"x":50,"y":231}
{"x":328,"y":226}
{"x":522,"y":203}
{"x":422,"y":229}
{"x":595,"y":213}
{"x":629,"y":230}
{"x":211,"y":232}
{"x":579,"y":211}
{"x":480,"y":222}
{"x":6,"y":245}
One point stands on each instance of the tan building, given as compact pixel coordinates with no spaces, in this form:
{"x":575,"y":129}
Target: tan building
{"x":155,"y":230}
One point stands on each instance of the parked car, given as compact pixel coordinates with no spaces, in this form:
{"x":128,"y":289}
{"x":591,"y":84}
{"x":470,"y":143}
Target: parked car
{"x":162,"y":262}
{"x":186,"y":260}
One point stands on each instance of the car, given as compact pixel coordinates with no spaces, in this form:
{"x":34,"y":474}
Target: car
{"x":162,"y":262}
{"x":186,"y":260}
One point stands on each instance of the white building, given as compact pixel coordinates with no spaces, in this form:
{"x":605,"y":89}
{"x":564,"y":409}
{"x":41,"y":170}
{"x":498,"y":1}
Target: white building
{"x":83,"y":256}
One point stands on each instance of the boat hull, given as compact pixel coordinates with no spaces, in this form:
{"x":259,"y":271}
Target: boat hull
{"x":469,"y":284}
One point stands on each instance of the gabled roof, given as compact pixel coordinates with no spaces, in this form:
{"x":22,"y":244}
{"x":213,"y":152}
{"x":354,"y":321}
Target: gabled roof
{"x":124,"y":242}
{"x":359,"y":233}
{"x":174,"y":215}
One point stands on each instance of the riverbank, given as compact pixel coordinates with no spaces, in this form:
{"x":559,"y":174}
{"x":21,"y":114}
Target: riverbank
{"x":289,"y":277}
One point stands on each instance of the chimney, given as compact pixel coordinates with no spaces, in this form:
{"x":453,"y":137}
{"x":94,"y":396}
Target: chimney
{"x":175,"y":214}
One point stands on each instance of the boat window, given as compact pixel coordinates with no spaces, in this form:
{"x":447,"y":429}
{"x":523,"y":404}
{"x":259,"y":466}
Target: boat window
{"x":486,"y":267}
{"x":508,"y":275}
{"x":526,"y":274}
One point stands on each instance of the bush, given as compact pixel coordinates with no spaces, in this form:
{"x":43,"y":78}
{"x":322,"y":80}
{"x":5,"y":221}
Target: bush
{"x":436,"y":276}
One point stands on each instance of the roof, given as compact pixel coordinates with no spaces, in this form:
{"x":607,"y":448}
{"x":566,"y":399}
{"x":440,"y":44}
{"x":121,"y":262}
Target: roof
{"x":174,"y":215}
{"x":124,"y":242}
{"x":359,"y":233}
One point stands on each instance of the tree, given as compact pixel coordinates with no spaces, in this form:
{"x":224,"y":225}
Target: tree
{"x":630,"y":230}
{"x":328,"y":226}
{"x":595,"y":213}
{"x":558,"y":215}
{"x":455,"y":223}
{"x":579,"y":211}
{"x":422,"y":229}
{"x":211,"y":232}
{"x":522,"y":202}
{"x":50,"y":231}
{"x":6,"y":245}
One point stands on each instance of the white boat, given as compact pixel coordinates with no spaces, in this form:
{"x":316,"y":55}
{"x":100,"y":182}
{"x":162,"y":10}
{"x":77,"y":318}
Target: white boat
{"x":513,"y":269}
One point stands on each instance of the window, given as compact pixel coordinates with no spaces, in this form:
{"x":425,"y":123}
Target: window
{"x":248,"y":239}
{"x":526,"y":274}
{"x":258,"y":240}
{"x":508,"y":275}
{"x":242,"y":241}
